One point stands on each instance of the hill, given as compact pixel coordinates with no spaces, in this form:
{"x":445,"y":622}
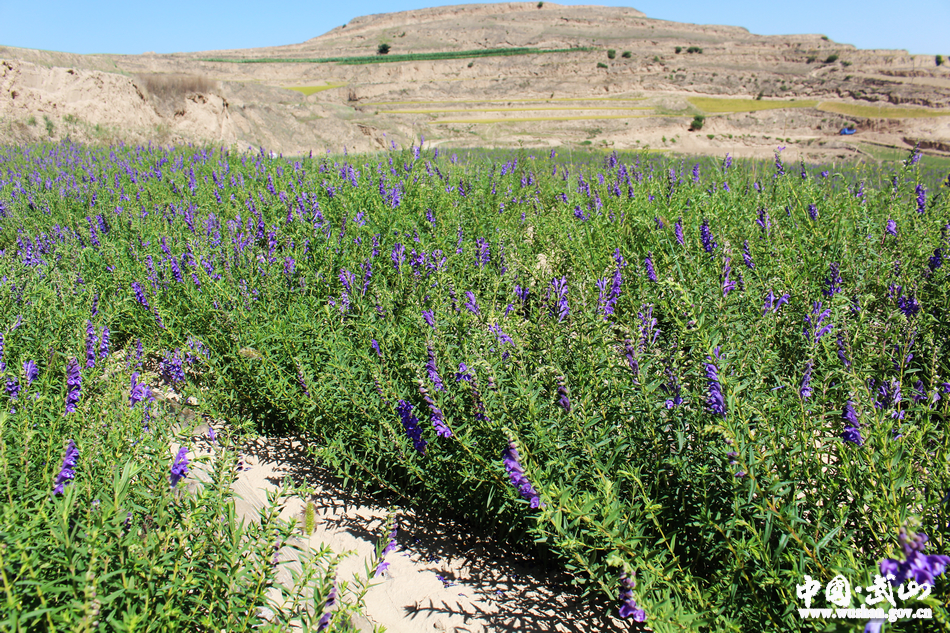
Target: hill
{"x":533,"y":74}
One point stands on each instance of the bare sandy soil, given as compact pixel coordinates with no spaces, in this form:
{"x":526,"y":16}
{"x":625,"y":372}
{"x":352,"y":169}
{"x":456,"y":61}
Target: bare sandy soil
{"x":576,"y":98}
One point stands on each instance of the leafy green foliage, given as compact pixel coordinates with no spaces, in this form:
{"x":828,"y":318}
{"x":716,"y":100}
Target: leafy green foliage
{"x":308,"y":289}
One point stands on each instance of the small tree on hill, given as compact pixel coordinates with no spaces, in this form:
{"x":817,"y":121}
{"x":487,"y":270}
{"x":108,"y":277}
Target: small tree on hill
{"x":697,"y":123}
{"x":611,"y":53}
{"x":382,"y":49}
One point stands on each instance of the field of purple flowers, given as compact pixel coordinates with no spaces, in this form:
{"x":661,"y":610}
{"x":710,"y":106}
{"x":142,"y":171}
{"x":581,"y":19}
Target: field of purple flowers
{"x":690,"y":382}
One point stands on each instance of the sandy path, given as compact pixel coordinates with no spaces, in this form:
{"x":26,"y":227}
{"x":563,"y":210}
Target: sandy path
{"x":441,"y":577}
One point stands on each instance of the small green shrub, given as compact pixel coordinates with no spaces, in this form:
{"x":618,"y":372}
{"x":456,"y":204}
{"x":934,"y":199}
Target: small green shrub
{"x":656,"y":58}
{"x":758,"y":97}
{"x":831,"y":58}
{"x":611,"y":53}
{"x":31,"y":121}
{"x":382,"y":49}
{"x":697,"y":123}
{"x":679,"y":49}
{"x":601,"y":65}
{"x":470,"y":64}
{"x":694,"y":49}
{"x":50,"y":128}
{"x":628,"y":55}
{"x":939,"y":60}
{"x":811,"y":59}
{"x":540,"y":4}
{"x":710,"y":136}
{"x":845,"y":64}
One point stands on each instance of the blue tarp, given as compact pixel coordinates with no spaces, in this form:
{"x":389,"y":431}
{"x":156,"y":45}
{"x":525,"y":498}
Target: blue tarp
{"x":846,"y":131}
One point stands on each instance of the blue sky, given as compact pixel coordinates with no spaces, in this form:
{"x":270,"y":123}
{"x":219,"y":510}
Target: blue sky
{"x":168,"y":26}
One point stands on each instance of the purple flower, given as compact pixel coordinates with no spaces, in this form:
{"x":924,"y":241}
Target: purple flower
{"x":648,"y":263}
{"x":398,"y":255}
{"x":471,"y":304}
{"x":678,"y":231}
{"x":433,"y":371}
{"x":68,"y":470}
{"x":936,"y":261}
{"x":104,"y":343}
{"x":91,"y":341}
{"x":74,"y":382}
{"x":139,"y":391}
{"x":139,"y":294}
{"x":483,"y":255}
{"x":805,"y":390}
{"x":891,"y":227}
{"x":921,"y":198}
{"x":813,"y":212}
{"x":375,"y":346}
{"x":833,"y":281}
{"x":852,"y":427}
{"x":709,"y":244}
{"x":31,"y":371}
{"x":628,"y":607}
{"x":411,"y":424}
{"x":438,"y":419}
{"x":813,"y":323}
{"x":563,"y":399}
{"x":560,"y":291}
{"x":463,"y":373}
{"x":727,"y":284}
{"x":908,"y":305}
{"x":714,"y":400}
{"x":429,"y":317}
{"x":747,"y":256}
{"x":170,"y":367}
{"x":179,"y":469}
{"x":519,"y":480}
{"x":327,"y":615}
{"x":917,"y":566}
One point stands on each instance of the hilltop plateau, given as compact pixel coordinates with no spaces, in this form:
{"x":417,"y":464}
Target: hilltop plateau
{"x":494,"y":75}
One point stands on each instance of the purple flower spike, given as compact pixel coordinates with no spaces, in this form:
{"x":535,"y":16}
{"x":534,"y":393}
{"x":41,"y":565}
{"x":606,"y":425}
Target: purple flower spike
{"x":327,"y":610}
{"x":31,"y":371}
{"x":648,"y":264}
{"x":917,"y":566}
{"x":438,"y":418}
{"x":74,"y":383}
{"x":852,"y":426}
{"x":512,"y":463}
{"x":91,"y":341}
{"x":714,"y":401}
{"x":411,"y":424}
{"x":433,"y":371}
{"x":628,"y":607}
{"x":179,"y":468}
{"x":470,"y":302}
{"x":563,"y":399}
{"x":68,"y":470}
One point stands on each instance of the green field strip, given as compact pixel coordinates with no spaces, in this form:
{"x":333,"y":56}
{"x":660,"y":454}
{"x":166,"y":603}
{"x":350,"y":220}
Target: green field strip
{"x":394,"y":58}
{"x":454,"y":110}
{"x":309,"y":90}
{"x":715,"y":105}
{"x":541,"y":118}
{"x":879,"y":112}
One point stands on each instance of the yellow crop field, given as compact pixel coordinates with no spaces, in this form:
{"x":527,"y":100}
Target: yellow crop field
{"x":541,"y":100}
{"x":309,"y":90}
{"x":529,"y":109}
{"x":545,"y":118}
{"x":879,"y":112}
{"x":716,"y":105}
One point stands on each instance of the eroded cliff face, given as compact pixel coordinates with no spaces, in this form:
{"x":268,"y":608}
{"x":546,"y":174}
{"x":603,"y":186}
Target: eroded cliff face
{"x":579,"y":96}
{"x":40,"y":102}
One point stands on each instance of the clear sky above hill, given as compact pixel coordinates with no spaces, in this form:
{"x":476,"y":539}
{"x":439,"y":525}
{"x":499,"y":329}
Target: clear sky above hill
{"x":129,"y":27}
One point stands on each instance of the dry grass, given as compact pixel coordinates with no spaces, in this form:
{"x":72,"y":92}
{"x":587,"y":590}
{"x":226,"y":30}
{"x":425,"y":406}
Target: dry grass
{"x":879,"y":112}
{"x":716,"y":105}
{"x":168,"y":87}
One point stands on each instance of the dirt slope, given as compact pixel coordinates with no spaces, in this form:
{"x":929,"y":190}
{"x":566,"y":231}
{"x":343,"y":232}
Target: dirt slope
{"x":643,"y":95}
